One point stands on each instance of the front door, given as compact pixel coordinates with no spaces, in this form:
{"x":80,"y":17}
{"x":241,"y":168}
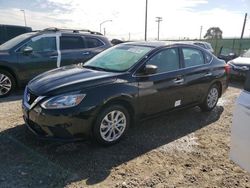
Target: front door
{"x":41,"y":57}
{"x":164,"y":90}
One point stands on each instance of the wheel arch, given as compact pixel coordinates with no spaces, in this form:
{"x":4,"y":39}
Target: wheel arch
{"x":123,"y":100}
{"x":12,"y":72}
{"x":219,"y":84}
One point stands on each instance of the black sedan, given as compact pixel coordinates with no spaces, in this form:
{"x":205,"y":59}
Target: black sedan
{"x":130,"y":81}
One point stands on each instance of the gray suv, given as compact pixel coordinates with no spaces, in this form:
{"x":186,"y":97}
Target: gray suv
{"x":27,"y":55}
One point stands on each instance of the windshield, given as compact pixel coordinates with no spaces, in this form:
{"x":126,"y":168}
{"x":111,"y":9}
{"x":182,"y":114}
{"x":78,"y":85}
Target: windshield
{"x":118,"y":58}
{"x":13,"y":42}
{"x":246,"y":54}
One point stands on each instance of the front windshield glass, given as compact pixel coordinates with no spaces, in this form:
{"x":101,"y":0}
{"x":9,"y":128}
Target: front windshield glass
{"x":246,"y":54}
{"x":118,"y":58}
{"x":13,"y":42}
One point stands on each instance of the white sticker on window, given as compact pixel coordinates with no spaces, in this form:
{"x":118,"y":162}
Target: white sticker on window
{"x":177,"y":103}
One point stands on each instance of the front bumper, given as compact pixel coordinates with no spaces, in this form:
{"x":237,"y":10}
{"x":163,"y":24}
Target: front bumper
{"x":61,"y":124}
{"x":238,"y":71}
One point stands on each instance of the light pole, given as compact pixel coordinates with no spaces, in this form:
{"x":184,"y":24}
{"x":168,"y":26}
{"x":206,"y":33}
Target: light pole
{"x":24,"y":16}
{"x":146,"y":20}
{"x":103,"y":23}
{"x":158,"y":19}
{"x":201,"y":31}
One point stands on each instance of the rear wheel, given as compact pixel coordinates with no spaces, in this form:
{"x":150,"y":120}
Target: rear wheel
{"x":211,"y":99}
{"x":7,"y":83}
{"x":111,"y":125}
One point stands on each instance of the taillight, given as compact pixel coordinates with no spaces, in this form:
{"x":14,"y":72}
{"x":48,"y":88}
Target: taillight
{"x":227,"y":69}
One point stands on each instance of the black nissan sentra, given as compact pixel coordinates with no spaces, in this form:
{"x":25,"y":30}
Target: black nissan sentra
{"x":130,"y":81}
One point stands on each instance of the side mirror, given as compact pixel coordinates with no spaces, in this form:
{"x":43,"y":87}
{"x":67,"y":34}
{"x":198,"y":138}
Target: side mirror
{"x":27,"y":50}
{"x":150,"y":69}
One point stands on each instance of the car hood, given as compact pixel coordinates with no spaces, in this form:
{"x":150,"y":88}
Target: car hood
{"x":68,"y":79}
{"x":241,"y":61}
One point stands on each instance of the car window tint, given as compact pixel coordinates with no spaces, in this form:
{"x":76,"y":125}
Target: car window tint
{"x":192,"y":57}
{"x":93,"y":43}
{"x":166,"y":60}
{"x":225,"y":51}
{"x":68,"y":43}
{"x":45,"y":44}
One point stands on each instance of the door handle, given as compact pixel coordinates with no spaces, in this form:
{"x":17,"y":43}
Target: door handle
{"x":53,"y":57}
{"x":178,"y":80}
{"x":208,"y":74}
{"x":85,"y":53}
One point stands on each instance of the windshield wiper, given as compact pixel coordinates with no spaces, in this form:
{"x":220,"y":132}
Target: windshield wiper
{"x":96,"y":68}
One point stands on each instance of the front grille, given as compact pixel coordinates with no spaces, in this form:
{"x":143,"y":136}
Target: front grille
{"x":31,"y":97}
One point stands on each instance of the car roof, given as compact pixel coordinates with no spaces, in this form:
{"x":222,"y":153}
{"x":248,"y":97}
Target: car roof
{"x":158,"y":44}
{"x":68,"y":33}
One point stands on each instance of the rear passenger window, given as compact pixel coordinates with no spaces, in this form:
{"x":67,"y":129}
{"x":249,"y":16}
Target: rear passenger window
{"x":93,"y":43}
{"x":192,"y":57}
{"x":166,"y":60}
{"x":70,"y":43}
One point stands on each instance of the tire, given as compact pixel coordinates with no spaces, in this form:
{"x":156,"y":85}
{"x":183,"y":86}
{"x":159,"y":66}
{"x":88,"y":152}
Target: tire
{"x":106,"y":129}
{"x":7,"y":83}
{"x":211,"y":99}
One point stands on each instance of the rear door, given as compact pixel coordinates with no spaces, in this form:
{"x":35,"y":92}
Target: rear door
{"x":73,"y":50}
{"x":198,"y":73}
{"x":94,"y":45}
{"x":164,"y":90}
{"x":41,"y":59}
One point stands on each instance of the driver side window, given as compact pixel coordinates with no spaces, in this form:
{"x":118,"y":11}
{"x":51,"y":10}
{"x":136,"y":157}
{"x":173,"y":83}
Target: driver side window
{"x":45,"y":44}
{"x":166,"y":60}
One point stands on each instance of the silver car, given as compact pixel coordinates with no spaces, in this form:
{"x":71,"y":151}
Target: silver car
{"x":240,"y":65}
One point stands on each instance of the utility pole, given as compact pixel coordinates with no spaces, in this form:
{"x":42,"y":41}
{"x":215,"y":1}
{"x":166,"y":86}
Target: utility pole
{"x":244,"y":25}
{"x":158,"y":19}
{"x":129,"y":36}
{"x":146,"y":20}
{"x":104,"y":31}
{"x":201,"y":32}
{"x":24,"y":16}
{"x":242,"y":32}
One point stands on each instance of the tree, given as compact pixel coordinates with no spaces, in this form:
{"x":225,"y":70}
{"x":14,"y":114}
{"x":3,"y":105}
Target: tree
{"x":214,"y":33}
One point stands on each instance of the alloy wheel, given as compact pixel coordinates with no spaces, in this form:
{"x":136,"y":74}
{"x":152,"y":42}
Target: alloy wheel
{"x":113,"y":125}
{"x":212,"y":97}
{"x":5,"y":84}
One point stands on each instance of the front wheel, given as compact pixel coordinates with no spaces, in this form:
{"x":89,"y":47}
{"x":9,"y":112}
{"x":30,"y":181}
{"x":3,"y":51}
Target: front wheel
{"x":111,"y":125}
{"x":7,"y":83}
{"x":211,"y":99}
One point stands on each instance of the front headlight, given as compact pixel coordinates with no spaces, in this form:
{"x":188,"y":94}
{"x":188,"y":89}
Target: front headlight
{"x":63,"y":101}
{"x":232,"y":65}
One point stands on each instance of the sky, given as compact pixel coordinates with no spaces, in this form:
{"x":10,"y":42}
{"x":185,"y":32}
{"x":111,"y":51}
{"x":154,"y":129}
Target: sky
{"x":181,"y":18}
